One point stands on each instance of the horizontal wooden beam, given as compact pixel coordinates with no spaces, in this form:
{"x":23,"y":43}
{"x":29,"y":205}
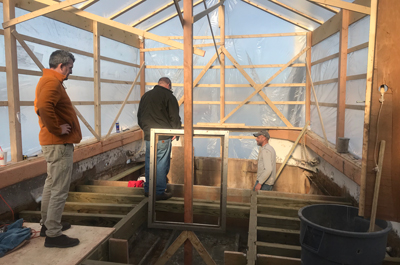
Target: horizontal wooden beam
{"x":102,"y":208}
{"x":103,"y":198}
{"x":276,"y":260}
{"x":226,"y":67}
{"x":235,"y":85}
{"x":345,"y":5}
{"x":334,"y":105}
{"x":336,"y":55}
{"x":246,"y":36}
{"x":173,"y":48}
{"x":334,"y":80}
{"x":28,"y":169}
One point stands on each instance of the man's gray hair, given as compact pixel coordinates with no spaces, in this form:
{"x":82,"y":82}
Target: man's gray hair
{"x":165,"y":80}
{"x":60,"y":57}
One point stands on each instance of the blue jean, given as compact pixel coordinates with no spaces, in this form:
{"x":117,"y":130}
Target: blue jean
{"x":263,"y":186}
{"x":163,"y":164}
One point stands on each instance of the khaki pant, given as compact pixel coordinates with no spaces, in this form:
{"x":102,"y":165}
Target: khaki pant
{"x":55,"y":191}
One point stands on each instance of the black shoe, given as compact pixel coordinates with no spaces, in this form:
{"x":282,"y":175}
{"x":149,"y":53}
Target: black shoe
{"x":163,"y":196}
{"x":62,"y":241}
{"x":146,"y":194}
{"x":65,"y":226}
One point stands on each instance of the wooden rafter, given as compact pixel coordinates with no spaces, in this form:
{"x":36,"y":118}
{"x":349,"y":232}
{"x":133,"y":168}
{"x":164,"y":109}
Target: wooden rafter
{"x":329,"y":8}
{"x":258,"y":88}
{"x":345,"y":5}
{"x":202,"y":73}
{"x":178,"y":11}
{"x":170,"y":17}
{"x":126,"y":9}
{"x":152,"y":14}
{"x":123,"y":27}
{"x":297,"y":11}
{"x":88,"y":4}
{"x":277,"y":15}
{"x":198,"y":16}
{"x":41,"y":12}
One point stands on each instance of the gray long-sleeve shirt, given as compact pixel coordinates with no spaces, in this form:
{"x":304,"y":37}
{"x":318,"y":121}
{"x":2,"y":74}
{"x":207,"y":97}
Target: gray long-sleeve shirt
{"x":266,"y":171}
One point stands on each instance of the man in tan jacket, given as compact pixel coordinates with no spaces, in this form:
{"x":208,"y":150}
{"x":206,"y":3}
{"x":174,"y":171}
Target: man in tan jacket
{"x":59,"y":130}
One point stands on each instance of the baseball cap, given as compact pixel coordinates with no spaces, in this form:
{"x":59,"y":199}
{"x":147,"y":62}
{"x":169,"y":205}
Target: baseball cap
{"x":262,"y":132}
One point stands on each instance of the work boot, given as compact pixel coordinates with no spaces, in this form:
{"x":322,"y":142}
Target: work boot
{"x":163,"y":196}
{"x":65,"y":226}
{"x":62,"y":241}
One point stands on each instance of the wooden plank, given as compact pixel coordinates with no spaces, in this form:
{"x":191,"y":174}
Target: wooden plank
{"x":126,"y":100}
{"x":219,"y":67}
{"x":118,"y":250}
{"x":334,"y":105}
{"x":234,"y":258}
{"x":377,"y":185}
{"x":276,"y":260}
{"x":78,"y":113}
{"x":200,"y":248}
{"x":291,"y":202}
{"x":142,"y":73}
{"x":259,"y":88}
{"x":128,"y":225}
{"x":221,"y":17}
{"x":200,"y":15}
{"x":262,"y":193}
{"x":126,"y":9}
{"x":101,"y":208}
{"x":155,"y":12}
{"x":103,"y":198}
{"x":114,"y":24}
{"x":278,"y":235}
{"x":278,"y":250}
{"x":277,"y":15}
{"x":294,"y":10}
{"x":341,"y":92}
{"x":178,"y":11}
{"x":278,"y":221}
{"x":188,"y":121}
{"x":41,"y":12}
{"x":127,"y":172}
{"x":308,"y":79}
{"x":10,"y":49}
{"x":34,"y":252}
{"x":332,"y":26}
{"x":244,"y":36}
{"x":305,"y":128}
{"x":172,"y":249}
{"x":329,"y":8}
{"x":170,"y":17}
{"x":98,"y":262}
{"x":173,"y":48}
{"x":97,"y":182}
{"x":96,"y":77}
{"x":110,"y":189}
{"x":238,"y":85}
{"x":345,"y":6}
{"x":88,"y":4}
{"x":278,"y":210}
{"x":27,"y":49}
{"x":252,"y":239}
{"x":200,"y":76}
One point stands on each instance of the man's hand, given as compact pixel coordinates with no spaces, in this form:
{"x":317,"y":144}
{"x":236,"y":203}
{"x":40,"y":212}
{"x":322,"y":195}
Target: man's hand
{"x":258,"y":187}
{"x":173,"y":138}
{"x":65,"y":129}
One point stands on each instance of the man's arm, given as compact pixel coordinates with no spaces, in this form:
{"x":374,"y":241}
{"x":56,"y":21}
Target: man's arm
{"x":173,"y":113}
{"x":267,"y":166}
{"x":46,"y":102}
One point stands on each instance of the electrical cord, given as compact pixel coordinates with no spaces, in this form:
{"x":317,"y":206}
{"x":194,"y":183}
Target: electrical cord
{"x":381,"y":100}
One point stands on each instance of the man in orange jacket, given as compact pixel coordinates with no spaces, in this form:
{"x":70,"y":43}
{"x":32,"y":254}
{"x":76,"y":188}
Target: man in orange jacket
{"x":59,"y":130}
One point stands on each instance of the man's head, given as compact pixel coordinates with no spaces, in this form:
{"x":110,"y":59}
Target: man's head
{"x":262,"y":137}
{"x":62,"y":61}
{"x":165,"y":82}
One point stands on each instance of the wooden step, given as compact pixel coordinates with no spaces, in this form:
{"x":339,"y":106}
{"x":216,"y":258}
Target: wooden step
{"x":276,"y":260}
{"x":127,"y":172}
{"x":290,"y":202}
{"x":278,"y":210}
{"x":102,"y":208}
{"x":91,"y":219}
{"x":110,"y":189}
{"x":103,"y":198}
{"x":302,"y":196}
{"x":278,"y":235}
{"x":274,"y":221}
{"x":278,"y":249}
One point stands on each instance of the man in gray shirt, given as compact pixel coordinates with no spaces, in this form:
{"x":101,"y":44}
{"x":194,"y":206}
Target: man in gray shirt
{"x":266,"y":171}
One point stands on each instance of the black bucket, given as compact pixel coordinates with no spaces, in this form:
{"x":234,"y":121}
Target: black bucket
{"x":335,"y":234}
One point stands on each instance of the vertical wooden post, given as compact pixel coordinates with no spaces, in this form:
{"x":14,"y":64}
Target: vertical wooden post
{"x":308,"y":79}
{"x":142,"y":74}
{"x":97,"y":83}
{"x":222,"y":58}
{"x":12,"y":83}
{"x":188,"y":121}
{"x":341,"y":95}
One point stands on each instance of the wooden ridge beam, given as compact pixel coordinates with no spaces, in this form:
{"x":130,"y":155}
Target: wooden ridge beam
{"x":170,"y":17}
{"x":294,"y":10}
{"x":277,"y":15}
{"x":345,"y":5}
{"x":126,"y":9}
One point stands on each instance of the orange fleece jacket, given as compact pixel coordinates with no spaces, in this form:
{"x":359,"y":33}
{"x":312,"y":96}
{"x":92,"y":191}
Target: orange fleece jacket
{"x":54,"y":108}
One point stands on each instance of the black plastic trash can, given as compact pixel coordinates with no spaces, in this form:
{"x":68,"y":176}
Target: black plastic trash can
{"x":335,"y":234}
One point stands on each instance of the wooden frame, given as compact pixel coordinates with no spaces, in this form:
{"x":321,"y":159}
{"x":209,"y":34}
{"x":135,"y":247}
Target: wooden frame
{"x":126,"y":9}
{"x":97,"y":78}
{"x":297,"y":11}
{"x":200,"y":15}
{"x":345,"y":5}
